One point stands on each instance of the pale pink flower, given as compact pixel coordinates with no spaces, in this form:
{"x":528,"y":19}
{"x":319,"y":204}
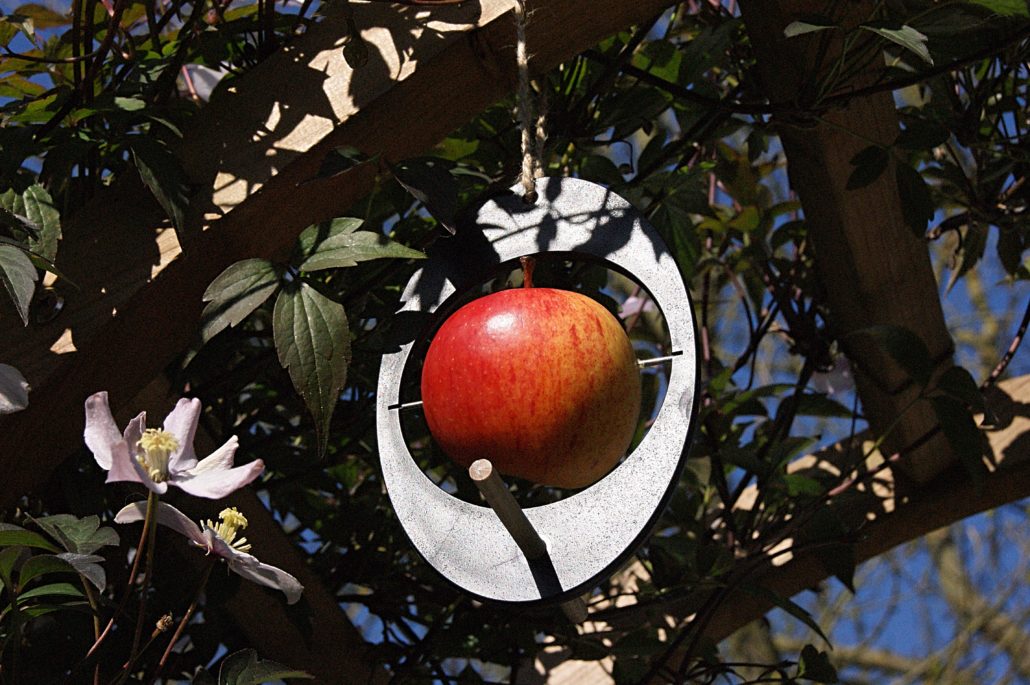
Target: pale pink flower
{"x":220,"y":539}
{"x":158,"y":458}
{"x":837,"y":380}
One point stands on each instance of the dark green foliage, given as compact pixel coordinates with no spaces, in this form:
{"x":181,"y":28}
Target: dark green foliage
{"x":670,"y":116}
{"x":815,"y":665}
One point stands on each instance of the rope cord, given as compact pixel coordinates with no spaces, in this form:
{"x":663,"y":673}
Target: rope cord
{"x":532,"y":126}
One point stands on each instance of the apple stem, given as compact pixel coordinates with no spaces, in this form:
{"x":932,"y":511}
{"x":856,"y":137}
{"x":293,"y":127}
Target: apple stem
{"x":528,"y":263}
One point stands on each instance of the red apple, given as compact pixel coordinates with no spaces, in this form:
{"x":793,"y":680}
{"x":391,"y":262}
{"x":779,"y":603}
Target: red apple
{"x":542,"y":382}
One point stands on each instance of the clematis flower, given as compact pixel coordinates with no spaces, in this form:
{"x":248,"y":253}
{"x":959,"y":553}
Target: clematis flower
{"x":220,"y":539}
{"x":159,"y":457}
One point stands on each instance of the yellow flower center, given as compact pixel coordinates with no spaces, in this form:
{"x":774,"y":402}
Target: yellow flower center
{"x":229,"y":522}
{"x":156,"y":446}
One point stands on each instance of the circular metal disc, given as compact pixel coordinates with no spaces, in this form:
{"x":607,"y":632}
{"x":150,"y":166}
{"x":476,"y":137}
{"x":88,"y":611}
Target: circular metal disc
{"x":589,"y":534}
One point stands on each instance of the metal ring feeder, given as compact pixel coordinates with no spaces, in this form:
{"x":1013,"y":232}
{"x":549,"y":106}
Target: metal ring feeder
{"x":590,"y":534}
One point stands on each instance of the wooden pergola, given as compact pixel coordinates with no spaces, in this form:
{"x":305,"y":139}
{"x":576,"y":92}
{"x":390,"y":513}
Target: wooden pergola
{"x":254,"y":155}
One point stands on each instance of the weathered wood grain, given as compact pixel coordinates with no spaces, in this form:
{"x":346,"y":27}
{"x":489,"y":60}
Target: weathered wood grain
{"x":263,"y":146}
{"x":874,"y":269}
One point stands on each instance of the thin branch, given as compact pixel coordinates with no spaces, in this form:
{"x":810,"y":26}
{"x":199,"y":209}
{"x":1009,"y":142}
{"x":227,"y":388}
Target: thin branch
{"x":836,"y":99}
{"x":46,"y":60}
{"x":1010,"y":352}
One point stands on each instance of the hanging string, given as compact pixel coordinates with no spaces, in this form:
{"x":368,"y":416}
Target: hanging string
{"x":532,"y":126}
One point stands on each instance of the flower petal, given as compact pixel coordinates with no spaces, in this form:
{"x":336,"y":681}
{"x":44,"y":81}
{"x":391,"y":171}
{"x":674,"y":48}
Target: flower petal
{"x":134,"y":431}
{"x":215,"y":484}
{"x":167,"y":515}
{"x":123,"y":466}
{"x":219,"y":460}
{"x":130,"y":513}
{"x":182,"y":423}
{"x":215,"y":544}
{"x":101,"y":432}
{"x":250,"y":568}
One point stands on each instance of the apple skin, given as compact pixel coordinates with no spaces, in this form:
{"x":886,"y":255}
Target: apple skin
{"x":542,"y":382}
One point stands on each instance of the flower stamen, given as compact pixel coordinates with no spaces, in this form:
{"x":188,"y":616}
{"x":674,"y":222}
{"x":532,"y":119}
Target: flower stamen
{"x":156,"y":446}
{"x":230,"y":521}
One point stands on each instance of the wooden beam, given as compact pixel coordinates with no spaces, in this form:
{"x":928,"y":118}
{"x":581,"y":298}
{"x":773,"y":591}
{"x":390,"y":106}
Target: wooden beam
{"x":258,"y":151}
{"x":896,"y":514}
{"x":893,"y":515}
{"x":872,"y":266}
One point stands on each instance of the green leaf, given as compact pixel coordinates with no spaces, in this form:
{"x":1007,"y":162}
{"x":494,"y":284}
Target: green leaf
{"x":905,"y":36}
{"x":663,"y":58}
{"x":788,"y":448}
{"x":629,"y":669}
{"x":869,"y":163}
{"x":798,"y":484}
{"x":815,"y":666}
{"x":41,"y":565}
{"x":163,"y":175}
{"x":246,"y":668}
{"x":204,"y":677}
{"x":800,"y":28}
{"x":1004,"y":8}
{"x":235,"y":293}
{"x":429,"y":181}
{"x":904,"y":346}
{"x":966,"y":440}
{"x":974,"y":243}
{"x":586,"y":649}
{"x":791,"y":607}
{"x":129,"y":104}
{"x":18,"y":275}
{"x":42,"y":16}
{"x":917,"y":206}
{"x":839,"y":560}
{"x":355,"y":50}
{"x":38,"y":235}
{"x":313,"y":343}
{"x":38,"y":207}
{"x":312,"y":238}
{"x":9,"y":218}
{"x":339,"y":160}
{"x":818,"y":404}
{"x":337,"y":244}
{"x":9,"y":557}
{"x":14,"y":390}
{"x":827,"y":534}
{"x":748,"y":219}
{"x":959,"y":383}
{"x":79,"y":536}
{"x":640,"y":642}
{"x":42,"y":609}
{"x":12,"y":24}
{"x":922,"y":135}
{"x":88,"y":566}
{"x":600,"y":169}
{"x":25,"y":538}
{"x":51,"y":590}
{"x":1010,"y":249}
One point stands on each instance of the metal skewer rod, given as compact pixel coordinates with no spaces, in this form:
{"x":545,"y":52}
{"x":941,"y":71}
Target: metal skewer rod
{"x":406,"y":405}
{"x":654,"y":361}
{"x":500,"y":499}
